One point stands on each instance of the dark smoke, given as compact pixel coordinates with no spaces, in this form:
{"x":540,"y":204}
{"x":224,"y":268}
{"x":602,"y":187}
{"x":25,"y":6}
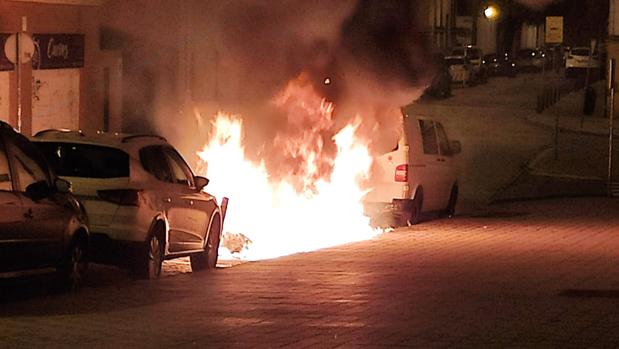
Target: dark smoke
{"x":372,"y":53}
{"x":243,"y":52}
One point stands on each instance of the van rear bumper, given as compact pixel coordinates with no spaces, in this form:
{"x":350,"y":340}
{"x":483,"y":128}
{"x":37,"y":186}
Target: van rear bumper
{"x":388,"y":213}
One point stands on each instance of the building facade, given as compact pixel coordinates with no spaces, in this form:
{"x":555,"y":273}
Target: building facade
{"x":60,"y":78}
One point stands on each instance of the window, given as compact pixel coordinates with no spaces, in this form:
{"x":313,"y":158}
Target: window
{"x":428,"y":137}
{"x":154,"y":162}
{"x":181,"y":173}
{"x":443,"y":142}
{"x":85,"y":160}
{"x":5,"y":173}
{"x":30,"y":165}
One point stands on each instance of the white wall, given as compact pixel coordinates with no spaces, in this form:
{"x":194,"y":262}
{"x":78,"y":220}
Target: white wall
{"x":55,"y":99}
{"x":486,"y":35}
{"x":531,"y":36}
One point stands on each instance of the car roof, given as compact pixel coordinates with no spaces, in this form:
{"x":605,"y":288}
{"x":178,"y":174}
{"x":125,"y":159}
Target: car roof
{"x":110,"y":139}
{"x":6,"y":125}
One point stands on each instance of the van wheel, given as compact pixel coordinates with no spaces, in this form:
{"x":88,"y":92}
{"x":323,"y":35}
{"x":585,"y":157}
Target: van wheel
{"x":415,"y":212}
{"x":450,"y":211}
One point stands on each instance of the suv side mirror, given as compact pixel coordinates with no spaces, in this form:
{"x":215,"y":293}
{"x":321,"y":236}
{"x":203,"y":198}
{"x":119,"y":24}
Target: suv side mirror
{"x":200,"y":182}
{"x":62,"y":186}
{"x":38,"y":190}
{"x":455,"y":147}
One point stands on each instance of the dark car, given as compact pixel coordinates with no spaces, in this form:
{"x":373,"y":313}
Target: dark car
{"x":500,"y":65}
{"x":529,"y":59}
{"x":42,"y":225}
{"x":440,"y":85}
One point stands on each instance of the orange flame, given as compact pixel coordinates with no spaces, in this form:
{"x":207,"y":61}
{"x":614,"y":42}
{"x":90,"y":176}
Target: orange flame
{"x":277,"y":215}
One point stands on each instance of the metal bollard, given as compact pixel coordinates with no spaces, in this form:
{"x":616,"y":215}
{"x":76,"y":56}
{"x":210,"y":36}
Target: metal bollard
{"x":224,"y":208}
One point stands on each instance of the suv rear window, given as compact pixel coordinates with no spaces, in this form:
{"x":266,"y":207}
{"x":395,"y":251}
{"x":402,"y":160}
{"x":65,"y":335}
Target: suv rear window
{"x":85,"y":160}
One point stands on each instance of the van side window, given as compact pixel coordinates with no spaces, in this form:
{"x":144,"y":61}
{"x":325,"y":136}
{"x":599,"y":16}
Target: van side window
{"x":428,"y":136}
{"x":443,"y":142}
{"x":5,"y":174}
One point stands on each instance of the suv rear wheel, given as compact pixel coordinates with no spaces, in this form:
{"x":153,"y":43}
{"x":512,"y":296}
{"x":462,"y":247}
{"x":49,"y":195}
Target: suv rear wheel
{"x":150,"y":258}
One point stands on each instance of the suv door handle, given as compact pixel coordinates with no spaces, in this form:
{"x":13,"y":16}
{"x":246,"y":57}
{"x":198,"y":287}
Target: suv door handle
{"x":28,"y":214}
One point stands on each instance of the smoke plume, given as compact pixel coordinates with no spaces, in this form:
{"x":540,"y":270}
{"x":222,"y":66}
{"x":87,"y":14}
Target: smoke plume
{"x":366,"y":57}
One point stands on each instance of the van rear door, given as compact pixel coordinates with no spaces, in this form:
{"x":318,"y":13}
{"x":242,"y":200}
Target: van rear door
{"x":390,"y":175}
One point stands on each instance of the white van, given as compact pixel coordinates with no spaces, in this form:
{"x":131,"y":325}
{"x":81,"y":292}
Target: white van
{"x":418,"y":175}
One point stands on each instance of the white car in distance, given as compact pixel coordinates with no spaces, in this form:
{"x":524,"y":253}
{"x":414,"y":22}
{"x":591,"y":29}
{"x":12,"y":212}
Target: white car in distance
{"x":579,"y":59}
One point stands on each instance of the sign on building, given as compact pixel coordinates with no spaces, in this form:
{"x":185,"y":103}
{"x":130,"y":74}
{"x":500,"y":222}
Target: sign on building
{"x":5,"y":63}
{"x":57,"y":51}
{"x":554,"y":30}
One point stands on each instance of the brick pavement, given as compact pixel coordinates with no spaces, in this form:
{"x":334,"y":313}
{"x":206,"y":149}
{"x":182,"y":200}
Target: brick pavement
{"x":529,"y":274}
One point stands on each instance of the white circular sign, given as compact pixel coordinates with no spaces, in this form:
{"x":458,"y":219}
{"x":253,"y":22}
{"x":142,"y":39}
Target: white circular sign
{"x":26,"y":48}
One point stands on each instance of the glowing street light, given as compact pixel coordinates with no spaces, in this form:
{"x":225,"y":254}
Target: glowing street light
{"x":491,"y":12}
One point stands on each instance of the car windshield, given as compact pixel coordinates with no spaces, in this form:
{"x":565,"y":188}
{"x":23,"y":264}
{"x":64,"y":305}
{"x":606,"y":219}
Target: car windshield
{"x":580,"y":52}
{"x":85,"y":160}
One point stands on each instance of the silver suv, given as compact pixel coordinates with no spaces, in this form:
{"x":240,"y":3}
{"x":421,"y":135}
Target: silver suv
{"x":143,"y":201}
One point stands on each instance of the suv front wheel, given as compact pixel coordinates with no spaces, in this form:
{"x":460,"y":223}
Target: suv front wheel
{"x":208,"y":258}
{"x":75,"y":265}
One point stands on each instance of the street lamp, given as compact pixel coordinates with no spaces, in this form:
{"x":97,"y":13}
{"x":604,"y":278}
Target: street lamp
{"x":491,"y":12}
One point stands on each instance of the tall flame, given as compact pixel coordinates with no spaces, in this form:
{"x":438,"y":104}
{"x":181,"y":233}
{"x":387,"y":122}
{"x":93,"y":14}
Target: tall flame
{"x":277,"y":215}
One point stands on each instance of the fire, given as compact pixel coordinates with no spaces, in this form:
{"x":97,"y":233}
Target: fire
{"x":275,"y":213}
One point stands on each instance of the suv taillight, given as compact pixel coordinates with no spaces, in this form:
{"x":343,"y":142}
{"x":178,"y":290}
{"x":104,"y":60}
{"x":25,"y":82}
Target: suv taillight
{"x":401,"y":173}
{"x":125,"y":197}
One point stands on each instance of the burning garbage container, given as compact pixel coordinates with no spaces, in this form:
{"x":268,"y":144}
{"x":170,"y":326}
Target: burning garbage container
{"x":589,"y":105}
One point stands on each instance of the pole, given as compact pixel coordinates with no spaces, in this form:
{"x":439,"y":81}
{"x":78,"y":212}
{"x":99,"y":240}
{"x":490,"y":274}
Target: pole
{"x":611,"y":115}
{"x":18,"y":76}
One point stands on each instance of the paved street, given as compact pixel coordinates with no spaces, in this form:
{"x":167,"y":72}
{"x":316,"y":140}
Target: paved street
{"x":533,"y":274}
{"x":520,"y":274}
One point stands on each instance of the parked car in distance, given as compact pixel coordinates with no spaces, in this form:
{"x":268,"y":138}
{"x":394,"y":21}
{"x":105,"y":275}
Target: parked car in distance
{"x":500,"y":65}
{"x":579,"y":59}
{"x":42,"y":226}
{"x":144,"y":202}
{"x":460,"y":70}
{"x":418,"y":175}
{"x":529,"y":59}
{"x":440,"y":86}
